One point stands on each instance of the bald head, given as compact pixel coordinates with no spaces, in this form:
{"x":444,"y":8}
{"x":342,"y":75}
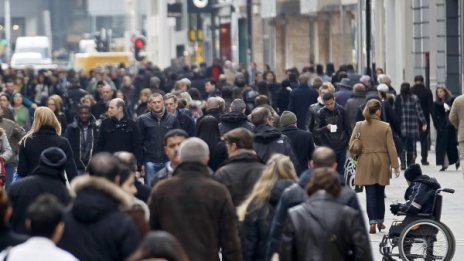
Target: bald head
{"x":104,"y":165}
{"x":194,"y":150}
{"x":359,"y":88}
{"x":323,"y":157}
{"x":127,"y":159}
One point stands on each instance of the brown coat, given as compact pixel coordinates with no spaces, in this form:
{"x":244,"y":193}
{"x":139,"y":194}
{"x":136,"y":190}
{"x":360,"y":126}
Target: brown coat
{"x":378,"y":155}
{"x":198,"y":211}
{"x":456,"y":116}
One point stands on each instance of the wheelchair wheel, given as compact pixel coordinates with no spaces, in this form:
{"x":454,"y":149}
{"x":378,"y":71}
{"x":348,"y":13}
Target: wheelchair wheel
{"x":428,"y":240}
{"x":350,"y":172}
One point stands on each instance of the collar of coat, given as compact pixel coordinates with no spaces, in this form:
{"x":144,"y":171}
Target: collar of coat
{"x":85,"y":181}
{"x":191,"y":169}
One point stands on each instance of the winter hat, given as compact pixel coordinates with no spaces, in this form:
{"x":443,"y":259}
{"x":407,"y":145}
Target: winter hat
{"x":53,"y":157}
{"x":382,"y":87}
{"x":412,"y":172}
{"x":287,"y":118}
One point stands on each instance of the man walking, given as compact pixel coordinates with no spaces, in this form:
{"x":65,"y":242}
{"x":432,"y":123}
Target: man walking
{"x":152,"y":127}
{"x":197,"y":210}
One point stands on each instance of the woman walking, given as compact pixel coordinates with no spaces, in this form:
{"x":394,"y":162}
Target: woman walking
{"x":257,"y":211}
{"x":377,"y":158}
{"x":446,"y":146}
{"x":45,"y":133}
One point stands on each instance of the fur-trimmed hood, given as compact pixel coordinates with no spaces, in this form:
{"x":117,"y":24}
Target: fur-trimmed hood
{"x":95,"y":197}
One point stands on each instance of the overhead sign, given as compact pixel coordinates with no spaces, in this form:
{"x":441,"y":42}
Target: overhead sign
{"x":199,"y":6}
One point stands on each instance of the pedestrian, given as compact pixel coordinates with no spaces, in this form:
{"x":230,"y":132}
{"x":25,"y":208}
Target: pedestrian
{"x":312,"y":116}
{"x":128,"y":159}
{"x":269,"y":140}
{"x":82,"y":135}
{"x":356,"y":99}
{"x":185,"y":121}
{"x":301,"y":140}
{"x":8,"y":237}
{"x":142,"y":106}
{"x":44,"y":133}
{"x":45,"y":225}
{"x":295,"y":195}
{"x":322,"y":228}
{"x":208,"y":131}
{"x":235,"y":118}
{"x":300,"y":100}
{"x":195,"y":209}
{"x":243,"y":167}
{"x":47,"y":178}
{"x":385,"y":79}
{"x":257,"y":211}
{"x":117,"y":132}
{"x":456,"y":118}
{"x":377,"y":158}
{"x":99,"y":109}
{"x":152,"y":127}
{"x":96,"y":228}
{"x":172,"y":141}
{"x":408,"y":108}
{"x":14,"y":134}
{"x":333,"y":129}
{"x":159,"y":245}
{"x":344,"y":92}
{"x":22,"y":113}
{"x":426,"y":102}
{"x":55,"y":103}
{"x":446,"y":149}
{"x":8,"y":112}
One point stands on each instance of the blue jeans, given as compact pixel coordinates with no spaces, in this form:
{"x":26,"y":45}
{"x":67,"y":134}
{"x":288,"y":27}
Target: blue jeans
{"x":375,"y":203}
{"x":341,"y":158}
{"x":151,"y":168}
{"x":10,"y":169}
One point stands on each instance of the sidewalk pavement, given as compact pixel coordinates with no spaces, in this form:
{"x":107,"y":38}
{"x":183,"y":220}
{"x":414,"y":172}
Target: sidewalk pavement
{"x":453,"y":204}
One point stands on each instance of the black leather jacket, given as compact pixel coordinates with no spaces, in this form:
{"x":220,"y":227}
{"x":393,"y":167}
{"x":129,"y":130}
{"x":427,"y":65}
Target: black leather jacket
{"x":324,"y":229}
{"x":335,"y":140}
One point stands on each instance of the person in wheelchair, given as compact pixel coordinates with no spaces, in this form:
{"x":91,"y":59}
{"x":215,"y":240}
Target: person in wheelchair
{"x":419,"y":198}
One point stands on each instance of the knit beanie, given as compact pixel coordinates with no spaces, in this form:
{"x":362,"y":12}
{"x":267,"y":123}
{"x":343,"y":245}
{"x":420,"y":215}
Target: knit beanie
{"x":53,"y":157}
{"x":287,"y":118}
{"x":412,"y":172}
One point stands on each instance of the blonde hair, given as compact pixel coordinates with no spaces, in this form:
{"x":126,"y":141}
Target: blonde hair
{"x":43,"y":116}
{"x":58,"y":102}
{"x":383,"y":78}
{"x":278,"y":167}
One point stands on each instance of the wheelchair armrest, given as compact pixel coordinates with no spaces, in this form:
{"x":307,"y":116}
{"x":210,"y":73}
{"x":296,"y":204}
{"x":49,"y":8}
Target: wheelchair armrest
{"x":425,"y":215}
{"x":399,"y":213}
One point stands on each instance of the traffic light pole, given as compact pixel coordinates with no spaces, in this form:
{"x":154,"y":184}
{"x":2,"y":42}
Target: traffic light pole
{"x":7,"y":30}
{"x":368,"y":37}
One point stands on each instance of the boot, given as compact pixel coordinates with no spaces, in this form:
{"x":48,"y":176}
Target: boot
{"x":403,"y":160}
{"x":410,"y":159}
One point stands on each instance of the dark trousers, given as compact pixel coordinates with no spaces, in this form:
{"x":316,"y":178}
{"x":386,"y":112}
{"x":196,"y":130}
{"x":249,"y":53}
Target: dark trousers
{"x":424,"y":141}
{"x":341,"y":158}
{"x":375,"y":203}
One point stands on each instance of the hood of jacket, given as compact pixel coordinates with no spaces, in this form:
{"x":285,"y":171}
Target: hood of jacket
{"x":429,"y":181}
{"x":266,"y":134}
{"x":95,"y":197}
{"x":233,"y":117}
{"x":49,"y":172}
{"x":244,"y":156}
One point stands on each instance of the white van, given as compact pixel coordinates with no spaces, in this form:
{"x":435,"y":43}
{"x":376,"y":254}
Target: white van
{"x":32,"y":51}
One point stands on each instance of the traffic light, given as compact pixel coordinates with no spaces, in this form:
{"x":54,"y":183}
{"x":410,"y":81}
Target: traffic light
{"x":139,"y":47}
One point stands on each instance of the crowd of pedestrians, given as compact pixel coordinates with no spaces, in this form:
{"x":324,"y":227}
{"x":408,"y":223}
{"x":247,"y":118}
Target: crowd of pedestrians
{"x":223,"y":163}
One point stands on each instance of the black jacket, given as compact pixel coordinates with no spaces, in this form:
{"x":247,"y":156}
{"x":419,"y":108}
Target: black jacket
{"x":312,"y":120}
{"x":233,"y":120}
{"x":239,"y":174}
{"x":352,"y":106}
{"x":254,"y":231}
{"x":300,"y":100}
{"x":302,"y":144}
{"x":324,"y":229}
{"x":419,"y":196}
{"x":22,"y":193}
{"x":269,"y":140}
{"x":31,"y":148}
{"x":95,"y":227}
{"x":117,"y":135}
{"x":151,"y":138}
{"x":186,"y":122}
{"x":73,"y":133}
{"x":425,"y":98}
{"x":335,"y":140}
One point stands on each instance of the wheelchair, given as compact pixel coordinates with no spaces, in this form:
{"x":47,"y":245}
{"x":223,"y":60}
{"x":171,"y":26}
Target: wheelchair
{"x":425,"y":238}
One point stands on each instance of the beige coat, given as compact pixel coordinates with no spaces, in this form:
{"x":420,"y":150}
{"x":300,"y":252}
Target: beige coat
{"x":378,"y":155}
{"x":456,"y":116}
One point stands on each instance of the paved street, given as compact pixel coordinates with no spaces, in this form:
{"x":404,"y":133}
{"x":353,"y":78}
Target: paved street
{"x":453,"y":207}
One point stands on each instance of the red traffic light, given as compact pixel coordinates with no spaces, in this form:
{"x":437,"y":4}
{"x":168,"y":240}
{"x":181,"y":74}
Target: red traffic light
{"x":139,"y":43}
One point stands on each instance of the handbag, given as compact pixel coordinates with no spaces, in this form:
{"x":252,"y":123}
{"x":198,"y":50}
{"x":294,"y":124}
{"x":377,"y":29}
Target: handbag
{"x":356,"y":146}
